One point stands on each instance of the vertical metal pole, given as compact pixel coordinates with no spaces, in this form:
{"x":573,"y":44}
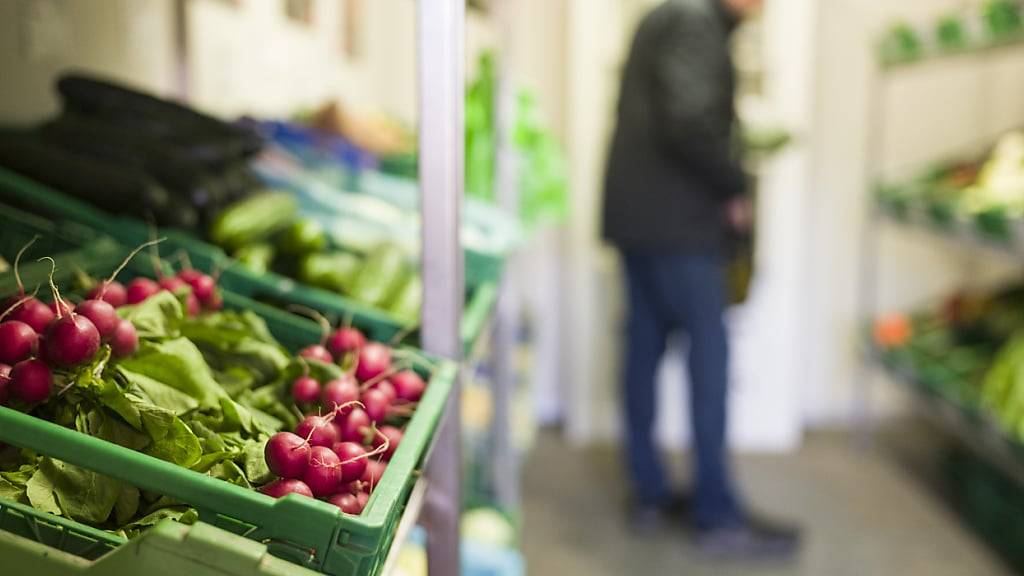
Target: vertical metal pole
{"x":504,"y":467}
{"x":441,"y":64}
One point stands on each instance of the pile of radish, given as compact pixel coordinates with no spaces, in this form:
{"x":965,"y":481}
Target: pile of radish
{"x":339,"y":451}
{"x":36,"y":338}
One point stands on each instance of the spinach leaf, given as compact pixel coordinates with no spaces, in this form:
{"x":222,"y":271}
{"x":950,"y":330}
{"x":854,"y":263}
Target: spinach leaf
{"x":40,"y":487}
{"x":127,"y":505}
{"x":82,"y":494}
{"x":177,"y":363}
{"x":173,"y":440}
{"x":159,"y":393}
{"x":156,"y":317}
{"x":256,"y":469}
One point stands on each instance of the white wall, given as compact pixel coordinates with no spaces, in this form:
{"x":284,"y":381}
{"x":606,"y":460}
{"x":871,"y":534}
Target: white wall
{"x":120,"y":39}
{"x":929,"y":111}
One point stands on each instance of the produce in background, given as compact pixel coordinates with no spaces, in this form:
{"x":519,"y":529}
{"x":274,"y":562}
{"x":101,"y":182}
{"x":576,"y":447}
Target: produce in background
{"x":264,"y":234}
{"x":543,"y":185}
{"x":132,"y":154}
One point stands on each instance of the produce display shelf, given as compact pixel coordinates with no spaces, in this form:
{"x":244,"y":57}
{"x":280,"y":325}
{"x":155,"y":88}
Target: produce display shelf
{"x":306,"y":532}
{"x":982,"y":48}
{"x":30,"y":196}
{"x":974,"y":429}
{"x":1002,"y":235}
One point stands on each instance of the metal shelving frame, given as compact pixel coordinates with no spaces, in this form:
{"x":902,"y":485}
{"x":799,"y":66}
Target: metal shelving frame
{"x":987,"y":441}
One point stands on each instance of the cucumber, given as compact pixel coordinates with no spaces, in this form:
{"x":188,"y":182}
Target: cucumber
{"x":304,"y":236}
{"x":382,"y":275}
{"x":255,"y":258}
{"x":334,"y":271}
{"x":407,"y":302}
{"x":253,"y":220}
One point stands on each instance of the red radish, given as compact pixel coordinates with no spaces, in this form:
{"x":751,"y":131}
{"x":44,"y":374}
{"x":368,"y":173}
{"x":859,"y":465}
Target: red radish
{"x":285,"y":486}
{"x":345,"y":340}
{"x":374,"y":360}
{"x":17,"y":341}
{"x":354,"y":426}
{"x":125,"y":339}
{"x":394,"y":437}
{"x":362,"y":498}
{"x":305,"y":390}
{"x":213,"y":303}
{"x":203,"y":286}
{"x":102,"y":315}
{"x":348,"y":503}
{"x":340,"y":392}
{"x":172,"y":284}
{"x":317,"y":352}
{"x":140,"y":289}
{"x":376,"y":404}
{"x":5,"y":381}
{"x":408,"y":386}
{"x":318,"y":431}
{"x":34,"y":313}
{"x":388,"y":389}
{"x":192,"y":305}
{"x":287,"y":455}
{"x":31,"y":381}
{"x":110,"y":291}
{"x":61,"y":308}
{"x":71,"y":341}
{"x":189,"y":275}
{"x":323,"y":472}
{"x":371,"y":477}
{"x":353,"y":460}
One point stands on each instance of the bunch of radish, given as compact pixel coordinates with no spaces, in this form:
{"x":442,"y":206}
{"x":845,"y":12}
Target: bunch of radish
{"x":339,"y":451}
{"x":36,"y":339}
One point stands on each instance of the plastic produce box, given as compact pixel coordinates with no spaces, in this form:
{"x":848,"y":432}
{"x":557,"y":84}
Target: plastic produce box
{"x":26,"y":194}
{"x":303,"y":531}
{"x":168,"y":549}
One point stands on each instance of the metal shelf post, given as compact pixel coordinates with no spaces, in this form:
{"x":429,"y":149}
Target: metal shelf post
{"x":441,"y":78}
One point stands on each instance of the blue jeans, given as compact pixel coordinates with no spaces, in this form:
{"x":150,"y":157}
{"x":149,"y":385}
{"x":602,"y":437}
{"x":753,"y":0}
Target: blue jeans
{"x":670,"y":291}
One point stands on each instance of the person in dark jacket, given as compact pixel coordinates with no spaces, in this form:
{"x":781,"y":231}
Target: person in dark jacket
{"x":674,"y":191}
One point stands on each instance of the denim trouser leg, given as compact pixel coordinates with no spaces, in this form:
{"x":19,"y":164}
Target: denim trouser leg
{"x":687,"y":291}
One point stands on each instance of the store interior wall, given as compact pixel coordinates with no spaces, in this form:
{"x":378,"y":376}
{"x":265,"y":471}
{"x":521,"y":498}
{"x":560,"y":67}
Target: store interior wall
{"x":930,"y":111}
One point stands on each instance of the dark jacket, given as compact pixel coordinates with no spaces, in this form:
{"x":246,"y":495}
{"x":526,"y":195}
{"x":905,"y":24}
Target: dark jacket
{"x":673,"y":164}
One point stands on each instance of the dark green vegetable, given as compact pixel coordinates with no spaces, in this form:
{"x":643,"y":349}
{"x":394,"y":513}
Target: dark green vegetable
{"x":255,"y":257}
{"x":304,"y":236}
{"x":253,"y":220}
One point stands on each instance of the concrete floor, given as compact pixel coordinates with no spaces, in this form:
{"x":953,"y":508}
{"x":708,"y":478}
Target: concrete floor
{"x":864,"y":514}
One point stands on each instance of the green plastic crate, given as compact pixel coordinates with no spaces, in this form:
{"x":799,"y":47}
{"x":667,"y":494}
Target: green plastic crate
{"x":482,"y":272}
{"x":307,"y":532}
{"x":168,"y":549}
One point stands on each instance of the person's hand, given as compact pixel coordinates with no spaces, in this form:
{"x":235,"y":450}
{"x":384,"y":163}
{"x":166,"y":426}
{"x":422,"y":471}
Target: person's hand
{"x":740,"y":214}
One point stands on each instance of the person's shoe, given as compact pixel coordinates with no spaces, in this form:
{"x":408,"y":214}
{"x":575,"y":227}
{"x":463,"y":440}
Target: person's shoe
{"x":752,"y":540}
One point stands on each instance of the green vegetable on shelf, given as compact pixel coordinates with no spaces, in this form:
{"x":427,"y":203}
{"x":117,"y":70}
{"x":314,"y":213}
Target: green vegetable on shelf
{"x":302,"y":237}
{"x":253,"y":220}
{"x":950,"y":33}
{"x":408,"y":301}
{"x":335,"y":271}
{"x":382,"y":275}
{"x":255,"y":257}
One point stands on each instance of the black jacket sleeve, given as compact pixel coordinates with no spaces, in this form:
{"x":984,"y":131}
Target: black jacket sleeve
{"x":693,"y":103}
